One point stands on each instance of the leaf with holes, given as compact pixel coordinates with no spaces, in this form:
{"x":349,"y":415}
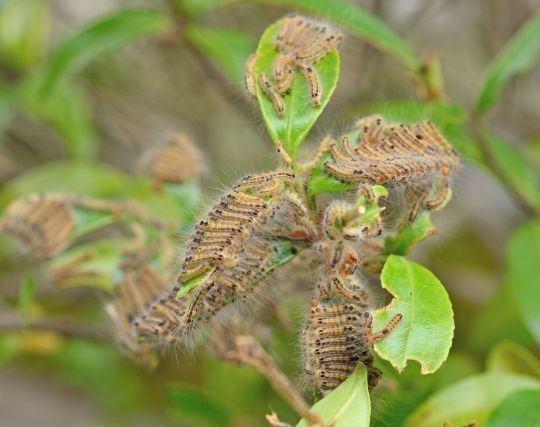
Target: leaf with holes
{"x":426,"y":329}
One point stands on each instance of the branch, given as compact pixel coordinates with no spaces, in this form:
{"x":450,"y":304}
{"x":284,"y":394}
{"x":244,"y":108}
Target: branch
{"x":11,"y":322}
{"x":249,"y":352}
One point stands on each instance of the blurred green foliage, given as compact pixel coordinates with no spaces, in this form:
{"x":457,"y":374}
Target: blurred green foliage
{"x":492,"y":374}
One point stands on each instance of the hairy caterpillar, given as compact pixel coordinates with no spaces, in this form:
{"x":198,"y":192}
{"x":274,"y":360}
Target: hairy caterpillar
{"x":416,"y":156}
{"x":229,"y":252}
{"x":301,"y":43}
{"x":334,"y":342}
{"x":273,"y":95}
{"x":43,"y":222}
{"x":134,"y":295}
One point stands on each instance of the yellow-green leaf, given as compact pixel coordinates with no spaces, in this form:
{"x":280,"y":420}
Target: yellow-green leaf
{"x":517,"y":56}
{"x":521,"y":408}
{"x":101,"y":37}
{"x":229,"y":48}
{"x":348,"y":405}
{"x":513,"y":358}
{"x":523,"y":258}
{"x":467,"y":400}
{"x":426,"y":329}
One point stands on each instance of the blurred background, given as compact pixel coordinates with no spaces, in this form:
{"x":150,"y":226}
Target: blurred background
{"x":87,"y":87}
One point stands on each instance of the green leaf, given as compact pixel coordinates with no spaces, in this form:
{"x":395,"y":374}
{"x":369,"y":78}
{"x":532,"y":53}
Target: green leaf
{"x":87,"y":221}
{"x":203,"y":409}
{"x":300,"y":114}
{"x":94,"y":265}
{"x":467,"y":400}
{"x":410,"y":234}
{"x":513,"y":358}
{"x":515,"y":167}
{"x":517,"y":56}
{"x":229,"y":48}
{"x":184,"y":198}
{"x":26,"y":298}
{"x":24,"y":32}
{"x":486,"y":330}
{"x":102,"y":37}
{"x":359,"y":22}
{"x":67,"y":111}
{"x":425,"y":332}
{"x":523,"y":260}
{"x":521,"y":408}
{"x":88,"y":178}
{"x":196,"y":8}
{"x":347,"y":405}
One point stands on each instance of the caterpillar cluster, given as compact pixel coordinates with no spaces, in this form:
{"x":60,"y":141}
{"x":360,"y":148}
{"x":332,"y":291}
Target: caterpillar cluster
{"x":139,"y":287}
{"x":175,"y":160}
{"x":301,"y":43}
{"x":338,"y":333}
{"x":334,"y":343}
{"x":228,"y":254}
{"x":415,"y":157}
{"x":43,"y":222}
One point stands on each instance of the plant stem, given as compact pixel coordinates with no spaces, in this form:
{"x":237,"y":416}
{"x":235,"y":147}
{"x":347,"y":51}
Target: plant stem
{"x":249,"y":352}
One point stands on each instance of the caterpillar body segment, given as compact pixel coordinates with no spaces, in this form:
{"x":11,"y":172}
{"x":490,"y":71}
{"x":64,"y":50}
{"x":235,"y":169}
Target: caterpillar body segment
{"x":272,"y":94}
{"x":332,"y":352}
{"x":250,"y":76}
{"x":283,"y":73}
{"x":42,"y":222}
{"x":135,"y":295}
{"x":314,"y":86}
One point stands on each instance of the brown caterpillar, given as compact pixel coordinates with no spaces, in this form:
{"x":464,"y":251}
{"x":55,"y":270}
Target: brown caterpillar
{"x":414,"y":156}
{"x":273,"y":95}
{"x":333,"y":343}
{"x":134,"y":295}
{"x":175,"y":160}
{"x":302,"y":43}
{"x":230,"y":248}
{"x":43,"y":222}
{"x":249,"y":76}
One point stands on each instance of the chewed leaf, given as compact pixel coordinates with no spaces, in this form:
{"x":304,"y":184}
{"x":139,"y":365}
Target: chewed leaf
{"x":300,"y":114}
{"x":426,"y":329}
{"x":347,"y":405}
